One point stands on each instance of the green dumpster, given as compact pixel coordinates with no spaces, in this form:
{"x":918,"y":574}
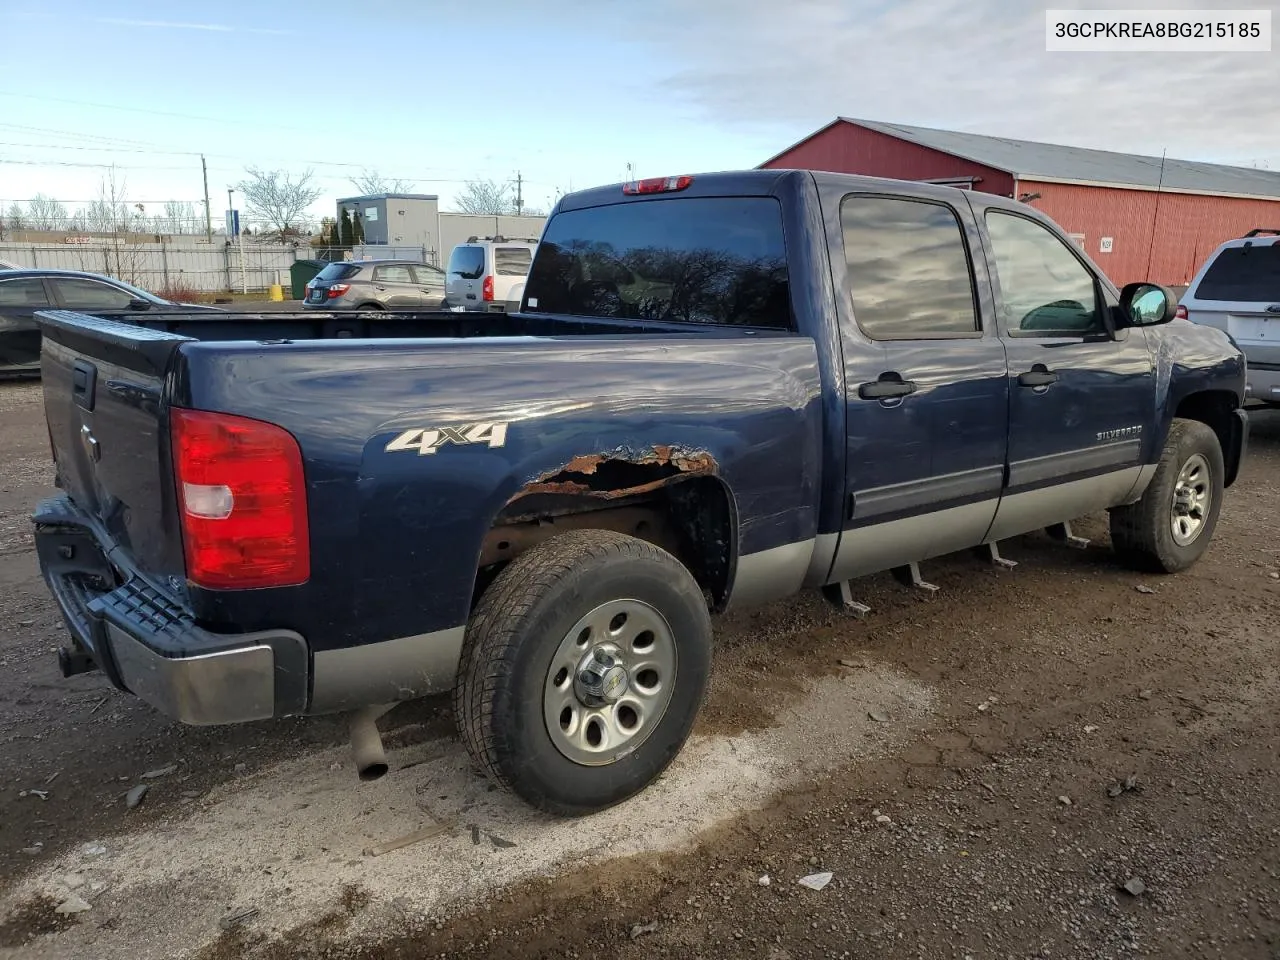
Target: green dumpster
{"x":301,"y":273}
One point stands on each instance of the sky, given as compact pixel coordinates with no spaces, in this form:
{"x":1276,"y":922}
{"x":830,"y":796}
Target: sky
{"x":567,"y":93}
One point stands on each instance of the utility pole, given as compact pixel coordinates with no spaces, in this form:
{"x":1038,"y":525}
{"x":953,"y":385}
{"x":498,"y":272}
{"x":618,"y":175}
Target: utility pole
{"x":233,"y":222}
{"x":519,"y":194}
{"x":208,"y":213}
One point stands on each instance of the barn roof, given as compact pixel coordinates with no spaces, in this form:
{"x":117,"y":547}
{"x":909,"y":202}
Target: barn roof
{"x":1026,"y":159}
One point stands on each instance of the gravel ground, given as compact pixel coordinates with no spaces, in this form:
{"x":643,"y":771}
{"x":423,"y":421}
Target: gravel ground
{"x":1054,"y":735}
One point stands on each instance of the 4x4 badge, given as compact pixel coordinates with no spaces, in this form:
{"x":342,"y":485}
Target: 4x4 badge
{"x":430,"y":440}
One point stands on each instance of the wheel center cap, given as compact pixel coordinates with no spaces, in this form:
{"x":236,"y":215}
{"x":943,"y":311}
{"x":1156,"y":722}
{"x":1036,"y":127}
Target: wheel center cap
{"x":601,"y":677}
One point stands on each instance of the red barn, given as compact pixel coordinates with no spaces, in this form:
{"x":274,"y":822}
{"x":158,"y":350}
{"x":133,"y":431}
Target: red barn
{"x":1138,"y":218}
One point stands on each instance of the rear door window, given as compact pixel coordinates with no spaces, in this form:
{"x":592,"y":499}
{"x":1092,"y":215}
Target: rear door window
{"x":467,"y":262}
{"x":909,"y":271}
{"x":393,"y":274}
{"x":512,"y":261}
{"x":1243,"y":274}
{"x":712,"y":260}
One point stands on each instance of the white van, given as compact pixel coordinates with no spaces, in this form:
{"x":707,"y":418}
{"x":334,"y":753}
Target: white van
{"x":487,"y":274}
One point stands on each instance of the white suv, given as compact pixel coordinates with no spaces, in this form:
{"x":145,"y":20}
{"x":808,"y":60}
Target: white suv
{"x":487,"y":274}
{"x":1238,"y":290}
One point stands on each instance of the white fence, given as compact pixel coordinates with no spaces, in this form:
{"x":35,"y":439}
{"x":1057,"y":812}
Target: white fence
{"x":156,"y":266}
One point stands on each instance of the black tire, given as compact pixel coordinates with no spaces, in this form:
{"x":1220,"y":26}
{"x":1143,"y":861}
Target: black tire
{"x":374,"y":306}
{"x":1142,"y":533}
{"x":515,"y":632}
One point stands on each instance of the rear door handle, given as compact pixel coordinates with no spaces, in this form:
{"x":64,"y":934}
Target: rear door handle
{"x":888,"y":387}
{"x":1037,"y":376}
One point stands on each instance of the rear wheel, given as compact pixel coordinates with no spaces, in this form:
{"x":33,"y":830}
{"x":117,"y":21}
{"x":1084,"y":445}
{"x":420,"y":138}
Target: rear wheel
{"x":1169,"y":529}
{"x":371,"y":306}
{"x":584,"y":666}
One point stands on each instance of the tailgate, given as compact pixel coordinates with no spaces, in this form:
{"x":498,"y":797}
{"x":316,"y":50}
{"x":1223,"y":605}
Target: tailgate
{"x":104,"y":402}
{"x":1257,"y":334}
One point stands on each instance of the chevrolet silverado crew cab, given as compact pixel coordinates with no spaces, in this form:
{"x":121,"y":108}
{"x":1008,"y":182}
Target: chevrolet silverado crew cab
{"x":719,"y":390}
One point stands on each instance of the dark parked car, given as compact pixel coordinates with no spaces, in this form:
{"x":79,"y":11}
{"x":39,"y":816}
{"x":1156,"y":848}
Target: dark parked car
{"x":376,"y":285}
{"x":23,"y":292}
{"x":720,"y":389}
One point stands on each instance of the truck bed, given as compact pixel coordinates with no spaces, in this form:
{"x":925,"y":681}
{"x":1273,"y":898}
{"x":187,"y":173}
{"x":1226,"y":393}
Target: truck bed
{"x":422,"y":324}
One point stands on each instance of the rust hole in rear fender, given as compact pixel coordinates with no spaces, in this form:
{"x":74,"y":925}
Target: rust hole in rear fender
{"x":621,"y":473}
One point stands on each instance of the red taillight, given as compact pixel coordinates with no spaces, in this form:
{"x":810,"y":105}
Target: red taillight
{"x":1180,"y":313}
{"x":242,"y":499}
{"x":657,"y":185}
{"x":486,"y":290}
{"x":337,"y":290}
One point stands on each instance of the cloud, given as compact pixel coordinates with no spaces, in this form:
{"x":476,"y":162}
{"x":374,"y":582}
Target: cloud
{"x":173,"y":25}
{"x":972,"y":65}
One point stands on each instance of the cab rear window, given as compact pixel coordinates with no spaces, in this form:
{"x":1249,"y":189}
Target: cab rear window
{"x":1250,"y":274}
{"x":710,"y":260}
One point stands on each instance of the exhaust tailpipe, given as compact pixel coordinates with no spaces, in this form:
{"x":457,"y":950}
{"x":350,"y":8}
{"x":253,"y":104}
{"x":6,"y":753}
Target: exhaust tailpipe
{"x":366,"y":741}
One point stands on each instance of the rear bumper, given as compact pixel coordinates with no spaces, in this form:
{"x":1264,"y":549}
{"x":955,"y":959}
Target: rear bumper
{"x":1264,"y":382}
{"x":147,"y":642}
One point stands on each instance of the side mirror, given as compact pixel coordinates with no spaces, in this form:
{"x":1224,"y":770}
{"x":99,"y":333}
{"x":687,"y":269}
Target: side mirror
{"x":139,"y":304}
{"x":1146,"y":304}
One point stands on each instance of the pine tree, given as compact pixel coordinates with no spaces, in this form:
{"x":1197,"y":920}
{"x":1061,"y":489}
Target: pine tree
{"x":345,"y":236}
{"x":357,"y":228}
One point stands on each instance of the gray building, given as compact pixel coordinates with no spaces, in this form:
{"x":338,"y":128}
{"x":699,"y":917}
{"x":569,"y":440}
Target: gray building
{"x":396,"y":219}
{"x":410,"y":226}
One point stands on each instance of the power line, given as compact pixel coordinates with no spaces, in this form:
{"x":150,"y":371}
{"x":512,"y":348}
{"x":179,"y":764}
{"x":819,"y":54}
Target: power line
{"x":158,"y":148}
{"x":97,"y":166}
{"x":74,"y":134}
{"x":154,"y":113}
{"x":99,"y":149}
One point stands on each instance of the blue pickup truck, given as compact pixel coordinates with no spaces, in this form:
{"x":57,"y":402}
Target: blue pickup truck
{"x":719,"y":390}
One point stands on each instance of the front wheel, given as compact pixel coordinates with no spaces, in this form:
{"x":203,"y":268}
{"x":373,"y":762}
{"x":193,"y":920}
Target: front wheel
{"x":1169,"y":529}
{"x":584,"y":666}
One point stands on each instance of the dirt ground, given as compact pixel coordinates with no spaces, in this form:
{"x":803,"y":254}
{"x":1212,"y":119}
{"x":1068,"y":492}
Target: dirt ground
{"x":1041,"y":737}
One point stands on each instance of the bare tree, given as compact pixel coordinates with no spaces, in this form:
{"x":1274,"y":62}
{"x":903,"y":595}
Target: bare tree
{"x":486,"y":198}
{"x":279,"y":200}
{"x":112,"y":213}
{"x":15,"y":219}
{"x":179,"y":217}
{"x":46,"y":213}
{"x":371,"y":181}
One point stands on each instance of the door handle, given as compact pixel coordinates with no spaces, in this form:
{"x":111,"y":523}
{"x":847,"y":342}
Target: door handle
{"x":888,"y":387}
{"x":1037,"y":376}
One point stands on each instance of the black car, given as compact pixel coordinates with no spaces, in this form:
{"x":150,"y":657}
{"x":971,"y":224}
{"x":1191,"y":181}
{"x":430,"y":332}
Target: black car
{"x":23,"y":292}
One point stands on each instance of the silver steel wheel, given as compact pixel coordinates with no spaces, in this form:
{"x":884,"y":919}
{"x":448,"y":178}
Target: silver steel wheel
{"x":1192,"y":497}
{"x":610,"y":682}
